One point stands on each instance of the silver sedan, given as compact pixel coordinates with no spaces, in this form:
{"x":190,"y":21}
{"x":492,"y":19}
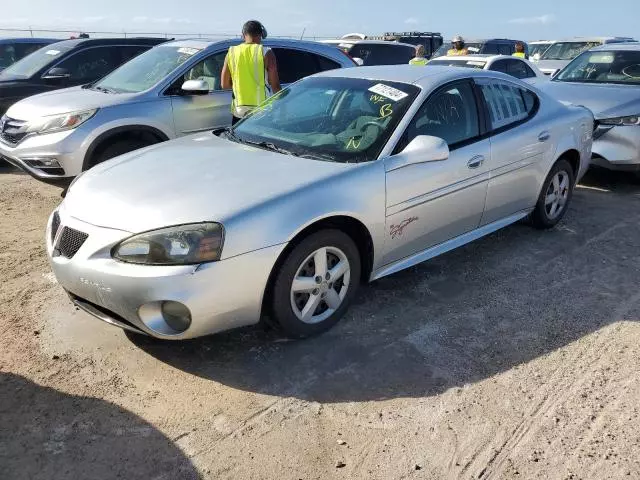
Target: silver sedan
{"x":344,"y":177}
{"x":607,"y":80}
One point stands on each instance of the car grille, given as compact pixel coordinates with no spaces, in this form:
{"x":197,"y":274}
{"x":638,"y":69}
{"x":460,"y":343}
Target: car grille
{"x":55,"y":224}
{"x":12,"y":131}
{"x":70,"y":242}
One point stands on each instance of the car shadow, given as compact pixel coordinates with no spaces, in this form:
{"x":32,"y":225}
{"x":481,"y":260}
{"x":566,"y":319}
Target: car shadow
{"x":460,"y":318}
{"x":47,"y":434}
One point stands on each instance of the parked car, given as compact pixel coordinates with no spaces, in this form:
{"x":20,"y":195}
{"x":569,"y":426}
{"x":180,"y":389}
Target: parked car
{"x":67,"y":63}
{"x":560,"y":53}
{"x":537,"y":48}
{"x":606,"y":80}
{"x":493,"y":46}
{"x":349,"y":175}
{"x":375,"y":52}
{"x":169,"y":91}
{"x":514,"y":66}
{"x":13,"y":49}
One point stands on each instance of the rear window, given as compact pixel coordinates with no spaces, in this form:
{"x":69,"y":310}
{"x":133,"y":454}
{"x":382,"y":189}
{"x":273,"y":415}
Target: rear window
{"x":380,"y":54}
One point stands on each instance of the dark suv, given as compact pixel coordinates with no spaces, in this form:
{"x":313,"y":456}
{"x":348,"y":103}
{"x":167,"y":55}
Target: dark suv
{"x":14,"y":49}
{"x":492,"y":46}
{"x":67,"y":64}
{"x":376,"y":52}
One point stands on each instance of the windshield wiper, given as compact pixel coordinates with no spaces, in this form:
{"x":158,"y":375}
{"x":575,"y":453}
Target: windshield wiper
{"x":103,"y":89}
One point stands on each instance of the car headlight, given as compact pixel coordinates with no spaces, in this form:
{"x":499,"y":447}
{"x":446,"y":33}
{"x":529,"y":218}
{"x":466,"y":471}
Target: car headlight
{"x":58,"y":123}
{"x":629,"y":120}
{"x":180,"y":245}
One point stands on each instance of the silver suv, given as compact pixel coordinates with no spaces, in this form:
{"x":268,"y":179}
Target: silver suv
{"x":171,"y":90}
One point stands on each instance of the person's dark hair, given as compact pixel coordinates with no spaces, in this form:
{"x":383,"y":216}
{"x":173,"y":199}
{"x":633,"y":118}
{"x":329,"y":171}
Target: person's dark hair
{"x":519,"y":46}
{"x":255,"y":29}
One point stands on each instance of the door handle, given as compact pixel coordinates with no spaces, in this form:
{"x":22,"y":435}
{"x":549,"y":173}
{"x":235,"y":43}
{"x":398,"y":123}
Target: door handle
{"x":544,"y":136}
{"x":476,"y":161}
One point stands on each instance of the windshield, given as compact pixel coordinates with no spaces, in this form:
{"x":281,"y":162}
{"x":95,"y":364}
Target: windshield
{"x":567,"y":50}
{"x":473,"y":47}
{"x":32,"y":64}
{"x":451,"y":62}
{"x":344,"y":120}
{"x":603,"y":67}
{"x":146,"y":70}
{"x":538,"y":48}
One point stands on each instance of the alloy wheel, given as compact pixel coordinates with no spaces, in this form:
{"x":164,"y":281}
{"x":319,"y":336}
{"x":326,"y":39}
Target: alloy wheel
{"x":557,"y":195}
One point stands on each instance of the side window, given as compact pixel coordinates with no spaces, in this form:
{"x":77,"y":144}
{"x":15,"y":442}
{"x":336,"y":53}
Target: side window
{"x":363,"y":52}
{"x":209,"y":70}
{"x":450,"y":114}
{"x":295,"y":64}
{"x":499,"y":66}
{"x":520,"y":69}
{"x":490,"y":48}
{"x":326,"y":63}
{"x":507,"y":104}
{"x":91,"y":64}
{"x":505,"y":49}
{"x":130,"y":51}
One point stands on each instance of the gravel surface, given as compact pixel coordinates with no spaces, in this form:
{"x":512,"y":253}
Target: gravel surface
{"x":514,"y":357}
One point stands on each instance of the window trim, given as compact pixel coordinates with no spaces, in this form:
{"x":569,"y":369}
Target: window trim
{"x":401,"y":143}
{"x":490,"y":131}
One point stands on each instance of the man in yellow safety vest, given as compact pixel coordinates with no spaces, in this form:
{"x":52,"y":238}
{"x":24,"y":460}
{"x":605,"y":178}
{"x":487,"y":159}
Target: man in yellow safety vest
{"x":247,"y":69}
{"x":458,"y":47}
{"x":519,"y":51}
{"x":419,"y":58}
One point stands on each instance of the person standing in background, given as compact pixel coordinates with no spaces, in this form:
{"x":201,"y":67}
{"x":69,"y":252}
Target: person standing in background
{"x":458,"y":47}
{"x":419,"y":59}
{"x":520,"y":51}
{"x":247,"y":69}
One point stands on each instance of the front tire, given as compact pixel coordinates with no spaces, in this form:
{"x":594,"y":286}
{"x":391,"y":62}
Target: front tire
{"x":315,"y":284}
{"x":116,"y":149}
{"x":555,"y":196}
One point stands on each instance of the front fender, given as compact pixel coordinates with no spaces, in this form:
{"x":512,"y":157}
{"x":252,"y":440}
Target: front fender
{"x":358,"y":192}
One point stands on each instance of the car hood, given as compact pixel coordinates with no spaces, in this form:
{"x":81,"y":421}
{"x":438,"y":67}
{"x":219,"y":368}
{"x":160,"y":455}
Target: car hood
{"x":74,"y":99}
{"x":551,"y":64}
{"x":604,"y":100}
{"x":193,"y":179}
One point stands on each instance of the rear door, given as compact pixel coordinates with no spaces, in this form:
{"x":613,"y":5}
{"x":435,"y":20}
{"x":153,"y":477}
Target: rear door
{"x":519,"y":144}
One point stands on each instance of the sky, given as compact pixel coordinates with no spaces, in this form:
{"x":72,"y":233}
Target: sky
{"x":523,"y":20}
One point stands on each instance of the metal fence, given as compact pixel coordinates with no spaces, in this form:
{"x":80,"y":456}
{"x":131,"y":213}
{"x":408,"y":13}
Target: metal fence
{"x":62,"y":34}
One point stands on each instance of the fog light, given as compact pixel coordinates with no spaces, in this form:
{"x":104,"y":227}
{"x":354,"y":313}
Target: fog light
{"x":42,"y":162}
{"x":177,"y":316}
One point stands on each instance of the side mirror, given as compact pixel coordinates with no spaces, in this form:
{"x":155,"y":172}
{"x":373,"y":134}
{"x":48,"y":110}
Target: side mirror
{"x":359,"y":61}
{"x":57,"y":73}
{"x":195,"y":87}
{"x":422,"y":149}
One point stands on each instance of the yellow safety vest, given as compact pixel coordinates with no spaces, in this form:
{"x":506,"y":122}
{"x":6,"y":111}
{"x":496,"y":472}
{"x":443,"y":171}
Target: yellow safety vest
{"x":454,"y":53}
{"x":519,"y":55}
{"x":246,"y":65}
{"x":418,"y":61}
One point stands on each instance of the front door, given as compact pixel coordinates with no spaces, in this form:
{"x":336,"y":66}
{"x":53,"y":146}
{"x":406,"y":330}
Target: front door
{"x":430,"y":203}
{"x":197,"y":113}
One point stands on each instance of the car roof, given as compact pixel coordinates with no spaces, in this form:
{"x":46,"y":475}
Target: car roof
{"x":203,"y":43}
{"x":424,"y":77}
{"x":352,"y":41}
{"x":28,"y":40}
{"x":479,"y":56}
{"x":631,"y":46}
{"x":88,"y":42}
{"x":593,"y":39}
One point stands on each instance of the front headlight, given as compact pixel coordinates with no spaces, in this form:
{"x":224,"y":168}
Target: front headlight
{"x":629,"y":120}
{"x":180,"y":245}
{"x":58,"y":123}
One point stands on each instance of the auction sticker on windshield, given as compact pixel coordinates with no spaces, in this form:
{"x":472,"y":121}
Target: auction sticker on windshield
{"x":52,"y":52}
{"x":388,"y":92}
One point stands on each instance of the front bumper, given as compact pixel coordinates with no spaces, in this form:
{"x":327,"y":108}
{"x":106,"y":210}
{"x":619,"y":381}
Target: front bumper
{"x":617,"y":148}
{"x":219,"y":296}
{"x":53,"y":158}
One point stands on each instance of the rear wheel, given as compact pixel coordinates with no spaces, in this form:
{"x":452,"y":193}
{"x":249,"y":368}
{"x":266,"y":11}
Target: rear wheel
{"x":555,"y":196}
{"x":315,"y":284}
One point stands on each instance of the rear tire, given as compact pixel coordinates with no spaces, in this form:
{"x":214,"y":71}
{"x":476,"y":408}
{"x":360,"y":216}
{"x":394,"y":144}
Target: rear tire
{"x":555,"y":196}
{"x":315,"y":284}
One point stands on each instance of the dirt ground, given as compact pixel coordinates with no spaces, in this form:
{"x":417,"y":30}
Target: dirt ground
{"x":514,"y":357}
